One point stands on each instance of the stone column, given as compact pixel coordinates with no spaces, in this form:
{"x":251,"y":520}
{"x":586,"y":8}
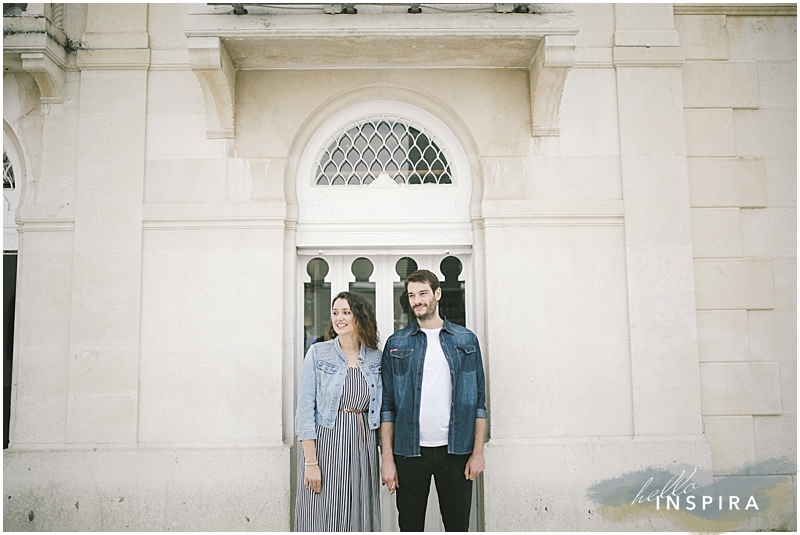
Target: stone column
{"x":663,"y":332}
{"x":104,"y":344}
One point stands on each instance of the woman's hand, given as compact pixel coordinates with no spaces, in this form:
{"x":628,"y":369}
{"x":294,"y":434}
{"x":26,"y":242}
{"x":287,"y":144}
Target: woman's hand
{"x":313,"y":478}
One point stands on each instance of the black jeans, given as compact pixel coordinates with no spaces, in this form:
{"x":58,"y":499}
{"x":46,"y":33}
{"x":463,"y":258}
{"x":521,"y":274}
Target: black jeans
{"x":454,"y":490}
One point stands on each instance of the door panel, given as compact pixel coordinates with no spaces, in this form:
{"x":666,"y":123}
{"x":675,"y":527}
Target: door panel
{"x":380,"y":278}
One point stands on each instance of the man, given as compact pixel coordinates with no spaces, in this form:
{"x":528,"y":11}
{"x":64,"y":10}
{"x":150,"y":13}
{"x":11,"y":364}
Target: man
{"x":433,"y":415}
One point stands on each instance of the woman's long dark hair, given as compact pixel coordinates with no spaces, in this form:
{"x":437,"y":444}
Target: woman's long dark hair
{"x":366,"y":325}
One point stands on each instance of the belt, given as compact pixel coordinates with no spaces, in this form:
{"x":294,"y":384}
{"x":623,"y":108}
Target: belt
{"x":360,"y":420}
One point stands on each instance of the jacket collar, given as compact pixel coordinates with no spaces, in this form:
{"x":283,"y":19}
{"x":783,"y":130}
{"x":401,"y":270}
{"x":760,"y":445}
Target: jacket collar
{"x":342,"y":355}
{"x":448,"y":327}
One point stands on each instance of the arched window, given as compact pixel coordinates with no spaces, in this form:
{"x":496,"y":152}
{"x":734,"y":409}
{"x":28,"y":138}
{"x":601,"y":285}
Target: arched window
{"x":8,"y":173}
{"x":359,"y":153}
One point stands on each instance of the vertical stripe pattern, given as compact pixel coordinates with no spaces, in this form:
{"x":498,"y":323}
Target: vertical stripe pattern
{"x":348,"y":500}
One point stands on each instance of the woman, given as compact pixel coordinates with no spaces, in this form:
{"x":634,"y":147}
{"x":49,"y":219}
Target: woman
{"x":338,"y":414}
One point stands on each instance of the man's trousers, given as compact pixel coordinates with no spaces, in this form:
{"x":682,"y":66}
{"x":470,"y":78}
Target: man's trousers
{"x":452,"y":487}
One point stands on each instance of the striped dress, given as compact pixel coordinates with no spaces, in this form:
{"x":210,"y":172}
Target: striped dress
{"x":348,"y":461}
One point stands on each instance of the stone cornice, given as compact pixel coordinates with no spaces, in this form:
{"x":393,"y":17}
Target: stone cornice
{"x":34,"y":45}
{"x":737,"y":10}
{"x":221,"y":44}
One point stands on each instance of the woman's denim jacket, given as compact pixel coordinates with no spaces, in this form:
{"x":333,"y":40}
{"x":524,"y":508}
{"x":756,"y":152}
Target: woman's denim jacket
{"x":321,"y":383}
{"x":403,"y":363}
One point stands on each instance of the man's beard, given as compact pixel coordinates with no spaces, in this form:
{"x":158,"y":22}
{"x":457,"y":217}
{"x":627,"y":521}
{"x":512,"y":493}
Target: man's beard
{"x":431,"y":311}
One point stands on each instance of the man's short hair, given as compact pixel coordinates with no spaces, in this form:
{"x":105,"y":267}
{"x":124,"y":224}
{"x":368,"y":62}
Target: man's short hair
{"x":423,"y":275}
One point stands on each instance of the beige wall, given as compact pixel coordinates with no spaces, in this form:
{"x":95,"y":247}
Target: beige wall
{"x":647,"y":253}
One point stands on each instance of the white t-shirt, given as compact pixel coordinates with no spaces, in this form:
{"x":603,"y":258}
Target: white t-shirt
{"x":437,"y":391}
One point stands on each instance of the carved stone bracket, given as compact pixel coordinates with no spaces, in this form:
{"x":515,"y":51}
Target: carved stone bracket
{"x":48,"y":74}
{"x":217,"y":76}
{"x":552,"y":62}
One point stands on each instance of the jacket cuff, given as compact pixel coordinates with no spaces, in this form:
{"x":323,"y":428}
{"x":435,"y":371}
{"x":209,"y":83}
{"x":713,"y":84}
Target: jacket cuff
{"x":307,"y":435}
{"x":481,"y":413}
{"x":387,"y":417}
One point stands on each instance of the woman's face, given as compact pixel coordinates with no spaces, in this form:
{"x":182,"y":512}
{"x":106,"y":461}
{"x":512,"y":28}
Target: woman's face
{"x":343,"y":319}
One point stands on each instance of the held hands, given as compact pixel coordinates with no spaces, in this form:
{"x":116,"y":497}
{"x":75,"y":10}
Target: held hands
{"x":389,"y":475}
{"x":313,"y":478}
{"x":475,"y":465}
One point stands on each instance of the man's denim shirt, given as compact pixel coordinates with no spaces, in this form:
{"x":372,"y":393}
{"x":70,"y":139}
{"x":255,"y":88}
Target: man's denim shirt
{"x":321,"y":383}
{"x":403,"y":361}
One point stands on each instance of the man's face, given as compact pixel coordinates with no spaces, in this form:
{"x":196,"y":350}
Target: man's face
{"x":423,"y":300}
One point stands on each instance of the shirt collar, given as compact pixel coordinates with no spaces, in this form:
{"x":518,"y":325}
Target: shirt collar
{"x":446,"y":327}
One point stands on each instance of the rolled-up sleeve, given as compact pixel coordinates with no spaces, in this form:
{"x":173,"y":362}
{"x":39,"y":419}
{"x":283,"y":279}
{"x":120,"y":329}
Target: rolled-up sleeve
{"x":387,"y":405}
{"x":306,"y":399}
{"x":481,"y":411}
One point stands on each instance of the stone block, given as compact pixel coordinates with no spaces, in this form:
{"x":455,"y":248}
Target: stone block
{"x":766,"y":133}
{"x":665,"y":268}
{"x":589,"y":125}
{"x":784,"y":270}
{"x":781,"y":175}
{"x":213,"y":240}
{"x":199,"y":393}
{"x":722,"y":335}
{"x":703,"y":36}
{"x":648,"y":132}
{"x":710,"y":133}
{"x":600,"y":33}
{"x":775,"y":443}
{"x":788,"y":370}
{"x":56,"y":242}
{"x":121,"y":17}
{"x":150,"y":488}
{"x":664,"y":363}
{"x":504,"y":178}
{"x":656,"y":177}
{"x":740,"y":388}
{"x":773,"y":334}
{"x":111,"y":135}
{"x":732,"y":443}
{"x":113,"y":92}
{"x":181,"y":136}
{"x":716,"y":232}
{"x":648,"y":89}
{"x":777,"y":82}
{"x":575,"y":178}
{"x":762,"y":38}
{"x":43,"y":321}
{"x":105,"y":321}
{"x":644,"y":17}
{"x":102,"y":418}
{"x":770,"y":232}
{"x":745,"y":283}
{"x":165,"y":26}
{"x":40,"y":395}
{"x":185,"y":180}
{"x":106,"y":369}
{"x":107,"y":275}
{"x":47,"y":275}
{"x":174,"y":93}
{"x":715,"y":84}
{"x":662,"y":315}
{"x":110,"y":180}
{"x":666,"y":410}
{"x":108,"y":227}
{"x":727,"y":182}
{"x":657,"y":222}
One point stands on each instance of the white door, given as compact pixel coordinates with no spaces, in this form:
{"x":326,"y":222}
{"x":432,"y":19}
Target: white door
{"x":379,"y":277}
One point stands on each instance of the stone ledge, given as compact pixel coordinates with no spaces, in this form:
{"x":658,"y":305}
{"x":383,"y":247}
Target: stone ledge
{"x":733,"y":10}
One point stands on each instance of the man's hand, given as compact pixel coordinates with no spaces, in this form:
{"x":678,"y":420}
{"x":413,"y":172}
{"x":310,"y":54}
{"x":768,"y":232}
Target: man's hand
{"x":389,"y":475}
{"x":475,"y":465}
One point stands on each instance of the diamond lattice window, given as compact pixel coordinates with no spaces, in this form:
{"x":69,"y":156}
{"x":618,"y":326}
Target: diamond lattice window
{"x":8,"y":173}
{"x":361,"y":152}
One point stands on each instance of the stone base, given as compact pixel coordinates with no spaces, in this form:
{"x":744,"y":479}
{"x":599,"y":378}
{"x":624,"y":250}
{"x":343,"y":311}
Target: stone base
{"x":147,"y":489}
{"x":576,"y":484}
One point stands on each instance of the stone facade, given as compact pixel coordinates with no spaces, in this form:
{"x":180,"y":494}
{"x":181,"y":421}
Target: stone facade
{"x":626,"y":209}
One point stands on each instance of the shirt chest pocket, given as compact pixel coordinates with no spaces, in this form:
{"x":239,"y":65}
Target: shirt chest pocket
{"x":468,"y":355}
{"x":401,"y":361}
{"x":326,"y":368}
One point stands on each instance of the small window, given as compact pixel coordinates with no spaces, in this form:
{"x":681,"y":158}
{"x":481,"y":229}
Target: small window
{"x":366,"y":150}
{"x":8,"y":173}
{"x":14,"y":10}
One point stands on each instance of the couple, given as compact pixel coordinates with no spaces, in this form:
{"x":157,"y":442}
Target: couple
{"x":426,"y":392}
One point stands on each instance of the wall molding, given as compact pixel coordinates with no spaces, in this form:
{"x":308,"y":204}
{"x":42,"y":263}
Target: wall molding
{"x":737,"y":10}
